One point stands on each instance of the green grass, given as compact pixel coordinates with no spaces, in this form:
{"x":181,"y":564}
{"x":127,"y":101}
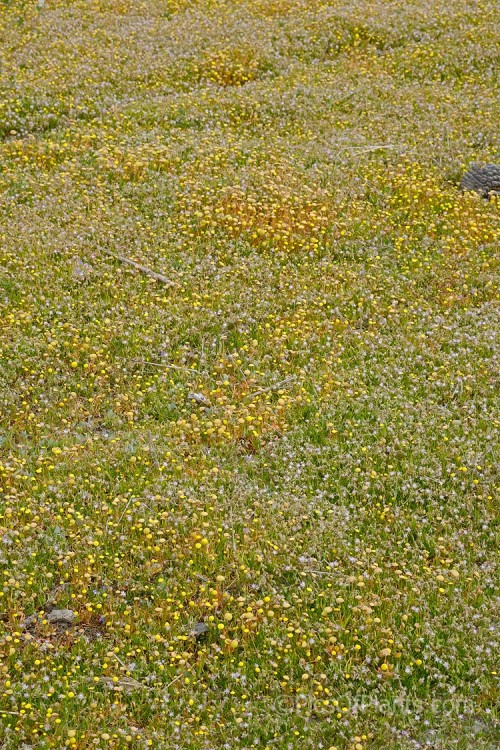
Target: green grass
{"x":329,"y":510}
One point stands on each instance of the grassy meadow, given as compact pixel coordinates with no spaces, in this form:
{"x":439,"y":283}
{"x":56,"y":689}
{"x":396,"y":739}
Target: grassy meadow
{"x":264,"y":483}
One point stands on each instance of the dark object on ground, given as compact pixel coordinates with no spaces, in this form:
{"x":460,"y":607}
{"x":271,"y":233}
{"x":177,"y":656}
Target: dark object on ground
{"x":483,"y":179}
{"x":199,"y":630}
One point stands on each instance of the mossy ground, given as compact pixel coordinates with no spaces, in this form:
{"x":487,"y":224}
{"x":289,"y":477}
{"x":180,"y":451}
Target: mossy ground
{"x":327,"y":508}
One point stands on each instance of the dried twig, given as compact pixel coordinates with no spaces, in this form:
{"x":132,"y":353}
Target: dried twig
{"x":166,"y":365}
{"x":172,"y":681}
{"x":119,"y":660}
{"x":126,"y":508}
{"x":144,"y":269}
{"x":271,"y":387}
{"x":171,"y":367}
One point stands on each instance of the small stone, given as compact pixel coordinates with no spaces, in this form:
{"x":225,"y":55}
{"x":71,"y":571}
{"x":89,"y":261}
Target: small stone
{"x":199,"y":398}
{"x":65,"y":616}
{"x":199,"y":630}
{"x":124,"y":684}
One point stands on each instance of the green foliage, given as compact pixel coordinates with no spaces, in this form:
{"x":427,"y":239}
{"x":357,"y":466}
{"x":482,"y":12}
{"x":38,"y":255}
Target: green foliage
{"x":293,"y":442}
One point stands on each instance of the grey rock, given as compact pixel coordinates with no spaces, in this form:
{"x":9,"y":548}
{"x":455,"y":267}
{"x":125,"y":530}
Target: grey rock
{"x":199,"y":398}
{"x":65,"y":616}
{"x":124,"y":684}
{"x":199,"y":630}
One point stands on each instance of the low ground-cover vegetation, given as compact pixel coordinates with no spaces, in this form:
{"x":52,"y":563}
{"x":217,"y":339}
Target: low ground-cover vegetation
{"x":265,"y":490}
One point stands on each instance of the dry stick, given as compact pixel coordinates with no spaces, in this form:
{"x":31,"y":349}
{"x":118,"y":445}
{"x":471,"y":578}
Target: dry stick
{"x":171,"y":367}
{"x":119,"y":660}
{"x":126,"y":508}
{"x":163,"y":364}
{"x":271,"y":387}
{"x":172,"y":681}
{"x":144,"y":269}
